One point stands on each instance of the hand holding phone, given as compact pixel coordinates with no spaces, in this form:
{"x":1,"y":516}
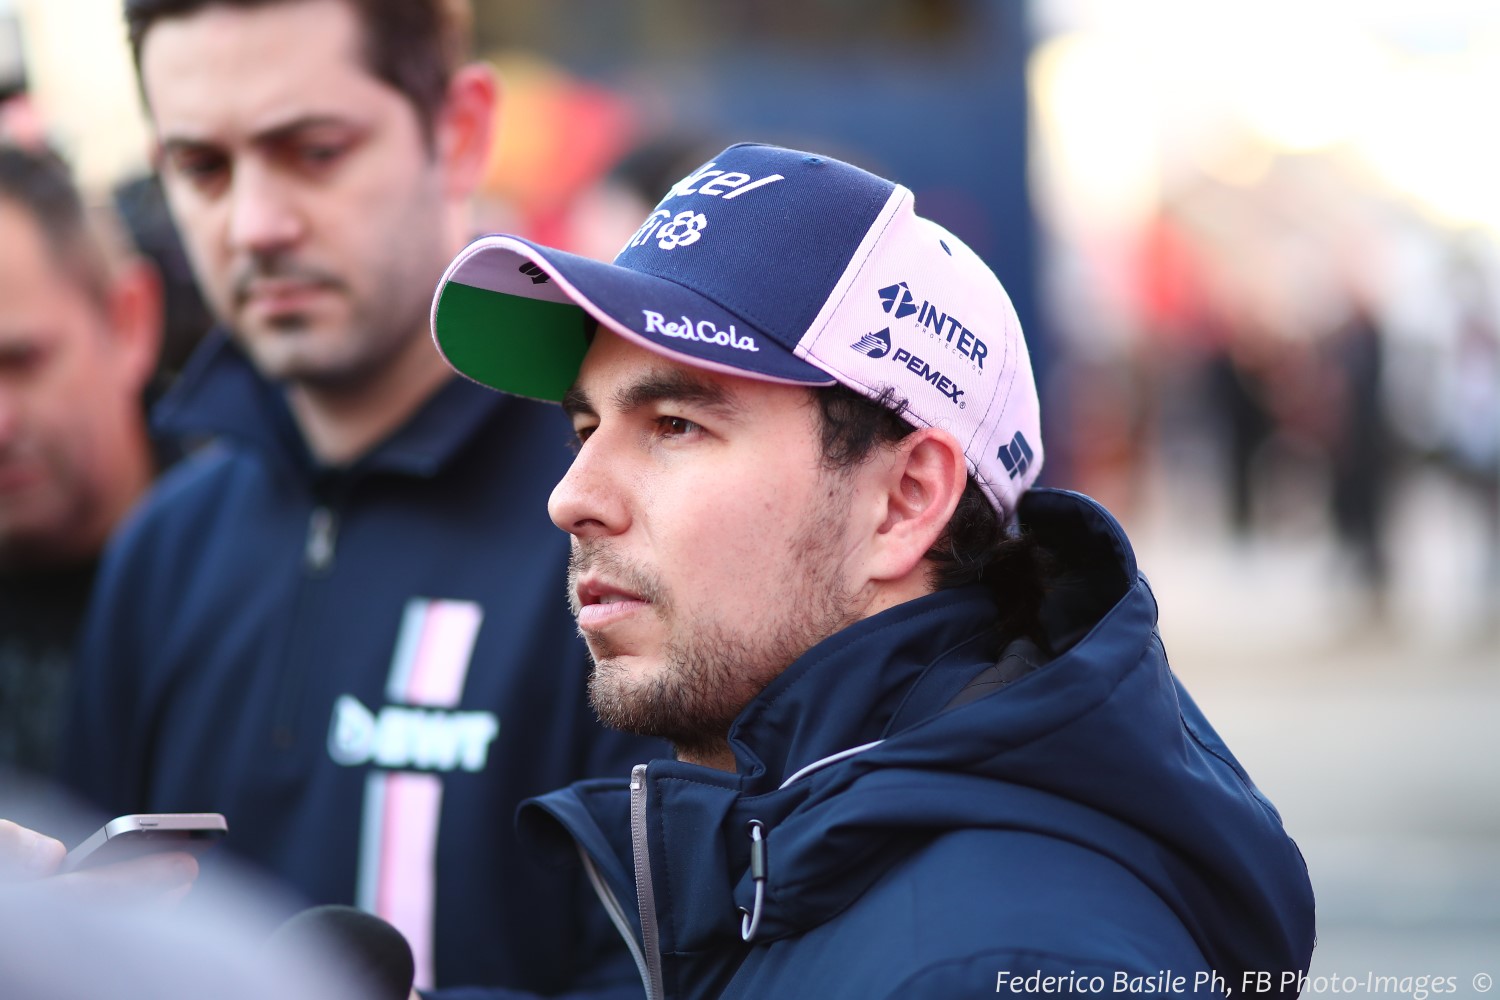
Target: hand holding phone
{"x":25,"y":854}
{"x":137,"y":835}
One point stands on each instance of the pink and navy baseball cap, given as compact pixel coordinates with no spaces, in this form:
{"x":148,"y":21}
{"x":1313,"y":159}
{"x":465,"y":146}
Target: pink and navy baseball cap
{"x":771,"y":264}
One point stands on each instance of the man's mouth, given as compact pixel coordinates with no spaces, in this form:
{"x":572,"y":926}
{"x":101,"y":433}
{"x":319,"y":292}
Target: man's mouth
{"x":597,"y":602}
{"x":280,"y":295}
{"x":19,"y":474}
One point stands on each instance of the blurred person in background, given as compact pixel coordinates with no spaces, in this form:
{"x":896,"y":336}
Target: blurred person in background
{"x":142,"y":207}
{"x":1360,"y":452}
{"x":80,"y":327}
{"x":339,"y":625}
{"x":1468,"y":417}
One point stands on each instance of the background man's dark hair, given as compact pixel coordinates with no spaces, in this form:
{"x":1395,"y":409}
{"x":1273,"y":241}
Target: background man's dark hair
{"x":412,"y":45}
{"x":975,"y":547}
{"x":39,"y":182}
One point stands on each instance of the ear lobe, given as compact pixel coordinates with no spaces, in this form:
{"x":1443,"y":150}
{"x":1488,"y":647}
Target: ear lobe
{"x":926,"y":477}
{"x":466,"y":127}
{"x":136,"y":314}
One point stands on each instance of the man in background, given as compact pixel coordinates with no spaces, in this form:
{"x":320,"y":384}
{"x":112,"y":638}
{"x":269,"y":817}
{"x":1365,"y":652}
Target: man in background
{"x":80,"y":326}
{"x":340,"y":625}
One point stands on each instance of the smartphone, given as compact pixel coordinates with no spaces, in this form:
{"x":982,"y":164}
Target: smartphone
{"x":126,"y":837}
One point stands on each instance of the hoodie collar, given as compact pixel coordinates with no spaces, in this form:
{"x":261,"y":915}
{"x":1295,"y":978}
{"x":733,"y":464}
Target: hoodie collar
{"x":849,"y":690}
{"x":845,"y":692}
{"x":221,"y":394}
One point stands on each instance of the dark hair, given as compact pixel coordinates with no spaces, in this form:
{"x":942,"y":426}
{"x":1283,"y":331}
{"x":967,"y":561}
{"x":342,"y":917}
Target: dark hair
{"x":39,"y":182}
{"x":412,"y":45}
{"x":976,"y":546}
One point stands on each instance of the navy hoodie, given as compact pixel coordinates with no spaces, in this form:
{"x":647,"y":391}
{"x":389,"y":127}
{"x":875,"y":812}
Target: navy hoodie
{"x":365,"y":669}
{"x":942,"y":817}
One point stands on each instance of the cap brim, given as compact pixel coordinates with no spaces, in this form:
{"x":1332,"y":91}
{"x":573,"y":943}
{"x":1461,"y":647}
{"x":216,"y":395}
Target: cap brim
{"x":517,"y":317}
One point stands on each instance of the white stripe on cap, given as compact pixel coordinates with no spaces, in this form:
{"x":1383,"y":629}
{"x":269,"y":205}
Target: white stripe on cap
{"x":957,"y":356}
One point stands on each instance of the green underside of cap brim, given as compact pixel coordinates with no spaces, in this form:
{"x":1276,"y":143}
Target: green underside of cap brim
{"x":528,"y":347}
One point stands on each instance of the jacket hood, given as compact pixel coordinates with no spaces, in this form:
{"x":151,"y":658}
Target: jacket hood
{"x":221,"y":394}
{"x":856,"y":753}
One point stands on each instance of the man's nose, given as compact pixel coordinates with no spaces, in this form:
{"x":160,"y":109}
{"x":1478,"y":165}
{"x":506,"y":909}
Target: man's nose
{"x":264,"y":215}
{"x":588,"y":501}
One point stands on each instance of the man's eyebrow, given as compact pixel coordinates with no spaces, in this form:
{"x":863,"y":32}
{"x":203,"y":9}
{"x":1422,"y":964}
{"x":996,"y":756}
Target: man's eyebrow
{"x":288,"y":129}
{"x":663,"y":386}
{"x":272,"y":135}
{"x":178,"y":143}
{"x":575,"y":402}
{"x":675,"y":386}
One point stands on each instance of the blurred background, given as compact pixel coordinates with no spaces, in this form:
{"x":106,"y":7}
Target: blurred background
{"x":1255,"y":245}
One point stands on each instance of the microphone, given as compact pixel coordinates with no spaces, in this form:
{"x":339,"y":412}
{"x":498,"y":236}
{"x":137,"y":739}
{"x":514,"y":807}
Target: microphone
{"x":361,"y":942}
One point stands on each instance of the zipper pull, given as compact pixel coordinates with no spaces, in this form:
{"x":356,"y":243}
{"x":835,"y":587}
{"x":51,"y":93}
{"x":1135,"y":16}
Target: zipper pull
{"x":322,"y":532}
{"x":750,"y":919}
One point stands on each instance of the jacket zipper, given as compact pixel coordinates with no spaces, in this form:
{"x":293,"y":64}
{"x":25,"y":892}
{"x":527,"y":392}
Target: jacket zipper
{"x":644,"y":891}
{"x":647,"y":952}
{"x":318,"y":552}
{"x":322,"y":534}
{"x":615,"y":910}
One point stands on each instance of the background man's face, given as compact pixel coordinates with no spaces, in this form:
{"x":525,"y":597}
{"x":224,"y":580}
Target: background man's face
{"x":303,"y":186}
{"x":709,"y":546}
{"x":64,"y":389}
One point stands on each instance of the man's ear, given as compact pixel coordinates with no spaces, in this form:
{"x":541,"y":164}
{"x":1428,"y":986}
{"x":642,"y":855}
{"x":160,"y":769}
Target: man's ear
{"x":136,"y":314}
{"x":465,"y":128}
{"x":923,"y":479}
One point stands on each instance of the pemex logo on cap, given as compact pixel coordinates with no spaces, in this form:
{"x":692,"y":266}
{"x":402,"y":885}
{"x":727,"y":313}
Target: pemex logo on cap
{"x":874,"y":345}
{"x":942,"y":331}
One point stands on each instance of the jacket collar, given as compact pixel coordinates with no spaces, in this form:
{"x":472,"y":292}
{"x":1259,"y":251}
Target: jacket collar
{"x":221,"y":395}
{"x":850,"y":689}
{"x":845,"y":693}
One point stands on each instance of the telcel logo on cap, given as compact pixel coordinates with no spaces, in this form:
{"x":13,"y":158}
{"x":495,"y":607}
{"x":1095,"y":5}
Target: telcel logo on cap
{"x":686,"y":228}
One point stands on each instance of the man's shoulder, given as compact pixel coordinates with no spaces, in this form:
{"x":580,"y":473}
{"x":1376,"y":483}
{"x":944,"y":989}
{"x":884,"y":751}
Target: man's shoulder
{"x":201,"y":502}
{"x":1033,"y":872}
{"x":980,"y":892}
{"x":197,"y":484}
{"x":980,"y":911}
{"x":511,"y":434}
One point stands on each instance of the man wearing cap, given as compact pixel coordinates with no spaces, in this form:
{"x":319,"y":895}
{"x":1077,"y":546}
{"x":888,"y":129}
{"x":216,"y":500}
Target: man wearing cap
{"x":928,"y":743}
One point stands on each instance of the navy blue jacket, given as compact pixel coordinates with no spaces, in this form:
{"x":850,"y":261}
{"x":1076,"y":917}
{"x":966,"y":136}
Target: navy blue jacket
{"x":943,"y":817}
{"x":364,"y":669}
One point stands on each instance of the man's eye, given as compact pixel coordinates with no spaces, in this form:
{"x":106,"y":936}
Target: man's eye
{"x":19,"y":359}
{"x":321,"y":154}
{"x":580,"y":436}
{"x":674,"y":426}
{"x":200,"y":168}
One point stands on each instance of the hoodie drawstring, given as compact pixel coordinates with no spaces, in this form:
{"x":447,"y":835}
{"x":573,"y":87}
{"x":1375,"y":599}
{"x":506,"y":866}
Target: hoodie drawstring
{"x":750,"y":921}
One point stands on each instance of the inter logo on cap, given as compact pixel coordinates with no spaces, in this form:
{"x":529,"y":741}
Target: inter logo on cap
{"x":897,"y":297}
